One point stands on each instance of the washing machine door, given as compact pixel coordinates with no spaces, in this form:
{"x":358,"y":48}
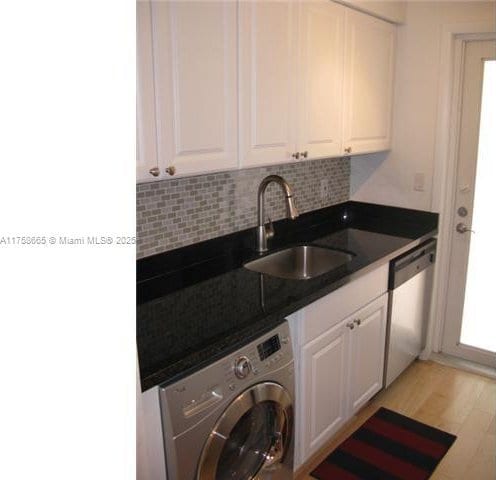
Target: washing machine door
{"x":252,"y":435}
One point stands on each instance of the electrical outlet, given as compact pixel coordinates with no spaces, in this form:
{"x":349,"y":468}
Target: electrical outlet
{"x":419,"y":182}
{"x":324,"y":189}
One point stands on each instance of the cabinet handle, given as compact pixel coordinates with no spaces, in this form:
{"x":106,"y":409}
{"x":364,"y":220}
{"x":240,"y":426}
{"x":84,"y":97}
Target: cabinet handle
{"x":304,"y":154}
{"x":350,"y":325}
{"x":296,"y":155}
{"x":155,"y":171}
{"x":171,"y":170}
{"x":347,"y":150}
{"x":357,"y":321}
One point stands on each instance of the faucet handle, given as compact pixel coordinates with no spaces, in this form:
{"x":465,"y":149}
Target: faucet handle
{"x":269,"y":229}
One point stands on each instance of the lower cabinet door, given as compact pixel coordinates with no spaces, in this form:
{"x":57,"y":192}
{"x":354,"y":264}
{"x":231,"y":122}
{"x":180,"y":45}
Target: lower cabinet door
{"x":367,"y":352}
{"x":325,"y":363}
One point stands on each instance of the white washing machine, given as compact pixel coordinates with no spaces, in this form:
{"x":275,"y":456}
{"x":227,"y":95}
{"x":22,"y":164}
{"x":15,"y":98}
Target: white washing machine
{"x":233,"y":420}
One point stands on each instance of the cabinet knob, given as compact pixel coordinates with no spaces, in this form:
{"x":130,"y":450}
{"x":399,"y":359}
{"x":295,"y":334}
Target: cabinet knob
{"x":347,"y":150}
{"x":350,"y":325}
{"x":357,"y":321}
{"x":171,"y":170}
{"x":155,"y":171}
{"x":304,"y":154}
{"x":296,"y":155}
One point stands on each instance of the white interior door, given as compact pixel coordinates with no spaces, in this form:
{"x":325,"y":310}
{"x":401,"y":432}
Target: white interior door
{"x":470,"y":327}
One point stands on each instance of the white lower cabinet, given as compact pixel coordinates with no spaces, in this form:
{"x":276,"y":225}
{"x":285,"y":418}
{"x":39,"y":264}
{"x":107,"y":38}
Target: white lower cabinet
{"x":339,"y":357}
{"x":325,"y":363}
{"x":367,"y":352}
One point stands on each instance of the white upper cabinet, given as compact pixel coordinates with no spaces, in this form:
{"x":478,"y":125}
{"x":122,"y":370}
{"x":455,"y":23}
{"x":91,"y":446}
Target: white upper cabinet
{"x":291,"y":79}
{"x":316,"y":81}
{"x":195,"y":59}
{"x":267,"y":75}
{"x":146,"y":132}
{"x":368,"y":83}
{"x":306,"y":79}
{"x":320,"y":79}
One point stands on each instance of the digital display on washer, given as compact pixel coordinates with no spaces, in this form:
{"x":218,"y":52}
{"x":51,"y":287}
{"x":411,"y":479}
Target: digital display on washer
{"x":270,"y":346}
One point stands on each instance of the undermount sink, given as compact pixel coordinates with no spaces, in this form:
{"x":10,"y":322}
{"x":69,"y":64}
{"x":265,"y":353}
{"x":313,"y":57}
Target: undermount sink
{"x":300,"y":263}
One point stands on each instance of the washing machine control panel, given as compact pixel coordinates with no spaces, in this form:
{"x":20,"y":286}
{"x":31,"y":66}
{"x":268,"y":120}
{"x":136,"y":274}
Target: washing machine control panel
{"x":269,"y":347}
{"x":259,"y":358}
{"x":262,"y":355}
{"x":191,"y":398}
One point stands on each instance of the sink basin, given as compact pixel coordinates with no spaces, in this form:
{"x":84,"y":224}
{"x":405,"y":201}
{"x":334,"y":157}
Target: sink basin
{"x":300,"y":263}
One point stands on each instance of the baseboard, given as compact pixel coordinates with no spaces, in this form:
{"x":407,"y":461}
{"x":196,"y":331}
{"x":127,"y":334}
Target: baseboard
{"x":451,"y":361}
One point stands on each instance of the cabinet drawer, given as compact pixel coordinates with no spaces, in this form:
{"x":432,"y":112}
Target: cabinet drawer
{"x":328,"y":311}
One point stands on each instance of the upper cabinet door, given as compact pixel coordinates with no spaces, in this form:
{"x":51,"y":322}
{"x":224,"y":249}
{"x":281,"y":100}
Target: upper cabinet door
{"x":146,"y":132}
{"x":369,"y":72}
{"x":321,"y":78}
{"x":267,"y":82}
{"x":195,"y":82}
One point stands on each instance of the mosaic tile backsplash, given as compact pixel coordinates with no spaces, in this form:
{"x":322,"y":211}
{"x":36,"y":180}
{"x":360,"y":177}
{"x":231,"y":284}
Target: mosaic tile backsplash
{"x":179,"y":212}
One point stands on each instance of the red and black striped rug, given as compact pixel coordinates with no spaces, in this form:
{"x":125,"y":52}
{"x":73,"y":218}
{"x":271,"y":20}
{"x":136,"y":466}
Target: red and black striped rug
{"x":388,"y":446}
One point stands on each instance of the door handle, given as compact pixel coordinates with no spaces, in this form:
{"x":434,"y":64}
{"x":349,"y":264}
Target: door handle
{"x":462,"y":228}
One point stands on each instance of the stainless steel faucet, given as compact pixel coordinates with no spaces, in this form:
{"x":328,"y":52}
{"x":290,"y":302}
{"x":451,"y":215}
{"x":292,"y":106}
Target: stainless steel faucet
{"x":267,"y":231}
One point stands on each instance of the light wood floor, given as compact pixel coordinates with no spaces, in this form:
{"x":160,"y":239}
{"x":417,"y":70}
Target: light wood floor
{"x":453,"y":400}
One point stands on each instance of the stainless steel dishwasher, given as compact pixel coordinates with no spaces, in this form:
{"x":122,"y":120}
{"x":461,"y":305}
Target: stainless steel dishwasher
{"x":410,"y":287}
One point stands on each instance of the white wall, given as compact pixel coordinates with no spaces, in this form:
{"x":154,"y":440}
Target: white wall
{"x":391,"y":10}
{"x":388,"y":178}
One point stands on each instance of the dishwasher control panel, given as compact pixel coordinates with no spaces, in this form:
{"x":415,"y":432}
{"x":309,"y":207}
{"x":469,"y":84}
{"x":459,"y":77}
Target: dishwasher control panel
{"x":412,"y":262}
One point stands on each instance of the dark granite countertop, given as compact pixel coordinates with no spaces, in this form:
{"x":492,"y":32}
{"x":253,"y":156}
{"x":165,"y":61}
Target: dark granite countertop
{"x":198,"y":303}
